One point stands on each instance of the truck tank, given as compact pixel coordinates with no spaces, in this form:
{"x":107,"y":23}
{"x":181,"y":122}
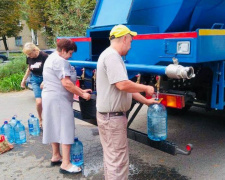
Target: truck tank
{"x":160,"y":16}
{"x":154,"y":17}
{"x":188,"y":30}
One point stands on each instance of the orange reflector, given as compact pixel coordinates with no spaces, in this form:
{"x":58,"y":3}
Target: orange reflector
{"x":172,"y":100}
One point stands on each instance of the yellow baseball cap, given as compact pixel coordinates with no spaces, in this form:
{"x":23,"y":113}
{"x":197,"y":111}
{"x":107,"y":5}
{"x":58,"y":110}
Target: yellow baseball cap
{"x":120,"y":30}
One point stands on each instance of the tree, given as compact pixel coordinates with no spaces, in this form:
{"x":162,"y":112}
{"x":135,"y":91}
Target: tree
{"x":10,"y":15}
{"x":60,"y":17}
{"x":39,"y":15}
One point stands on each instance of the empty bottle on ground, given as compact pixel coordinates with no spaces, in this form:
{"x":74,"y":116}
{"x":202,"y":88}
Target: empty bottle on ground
{"x":13,"y":121}
{"x":33,"y":125}
{"x":20,"y":133}
{"x":76,"y":153}
{"x":8,"y":132}
{"x":157,"y":122}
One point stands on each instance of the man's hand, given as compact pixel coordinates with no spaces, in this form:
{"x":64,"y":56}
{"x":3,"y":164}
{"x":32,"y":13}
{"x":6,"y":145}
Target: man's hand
{"x":149,"y":90}
{"x":151,"y":101}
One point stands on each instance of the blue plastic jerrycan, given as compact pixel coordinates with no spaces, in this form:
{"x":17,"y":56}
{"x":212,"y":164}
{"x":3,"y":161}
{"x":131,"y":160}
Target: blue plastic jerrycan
{"x":13,"y":121}
{"x":33,"y":125}
{"x":20,"y":133}
{"x":8,"y":132}
{"x":157,"y":122}
{"x":76,"y":153}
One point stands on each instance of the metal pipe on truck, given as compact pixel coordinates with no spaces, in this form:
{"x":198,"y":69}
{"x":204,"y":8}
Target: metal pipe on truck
{"x":172,"y":71}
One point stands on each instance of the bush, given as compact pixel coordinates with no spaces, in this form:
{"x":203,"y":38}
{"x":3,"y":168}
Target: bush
{"x":11,"y":74}
{"x":11,"y":83}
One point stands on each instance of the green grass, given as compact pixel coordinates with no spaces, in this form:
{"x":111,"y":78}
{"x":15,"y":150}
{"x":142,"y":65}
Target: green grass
{"x":11,"y":73}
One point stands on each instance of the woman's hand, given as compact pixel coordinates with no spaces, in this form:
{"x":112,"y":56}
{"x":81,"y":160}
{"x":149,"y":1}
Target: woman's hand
{"x":87,"y":91}
{"x":86,"y":96}
{"x":23,"y":84}
{"x":42,"y":85}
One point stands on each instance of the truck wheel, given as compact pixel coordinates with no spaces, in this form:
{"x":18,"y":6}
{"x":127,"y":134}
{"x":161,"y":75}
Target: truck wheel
{"x":174,"y":111}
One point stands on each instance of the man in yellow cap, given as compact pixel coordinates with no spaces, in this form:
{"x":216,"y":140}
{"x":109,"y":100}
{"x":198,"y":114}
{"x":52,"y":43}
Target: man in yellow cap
{"x":114,"y":95}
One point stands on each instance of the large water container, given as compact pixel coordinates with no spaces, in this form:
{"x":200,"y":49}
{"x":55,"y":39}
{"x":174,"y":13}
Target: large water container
{"x":76,"y":153}
{"x":7,"y":130}
{"x":158,"y":16}
{"x":20,"y":133}
{"x":157,"y":122}
{"x":13,"y":121}
{"x":33,"y":125}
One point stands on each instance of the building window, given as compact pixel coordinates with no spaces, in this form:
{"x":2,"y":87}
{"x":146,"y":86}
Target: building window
{"x":18,"y":41}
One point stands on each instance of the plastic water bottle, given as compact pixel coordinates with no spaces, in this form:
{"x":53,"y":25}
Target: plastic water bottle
{"x":157,"y":122}
{"x":33,"y":125}
{"x":8,"y":132}
{"x":20,"y":133}
{"x":13,"y":121}
{"x":76,"y":153}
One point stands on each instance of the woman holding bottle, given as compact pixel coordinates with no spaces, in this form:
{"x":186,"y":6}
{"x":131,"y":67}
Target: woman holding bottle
{"x":57,"y":95}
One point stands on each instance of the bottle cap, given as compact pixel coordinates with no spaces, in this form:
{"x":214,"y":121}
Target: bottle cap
{"x":31,"y":115}
{"x":76,"y":139}
{"x":13,"y":117}
{"x":6,"y":122}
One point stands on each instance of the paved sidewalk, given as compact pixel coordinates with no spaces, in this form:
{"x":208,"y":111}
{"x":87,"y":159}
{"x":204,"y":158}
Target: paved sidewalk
{"x":32,"y":160}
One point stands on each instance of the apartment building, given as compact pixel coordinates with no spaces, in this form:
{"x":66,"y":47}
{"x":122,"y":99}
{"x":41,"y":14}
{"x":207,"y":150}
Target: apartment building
{"x":15,"y":44}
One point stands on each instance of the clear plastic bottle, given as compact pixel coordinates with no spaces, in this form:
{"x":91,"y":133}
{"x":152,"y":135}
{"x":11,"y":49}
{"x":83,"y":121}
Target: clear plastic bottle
{"x":8,"y":132}
{"x":33,"y":125}
{"x":13,"y":121}
{"x":20,"y":133}
{"x":157,"y":122}
{"x":76,"y":153}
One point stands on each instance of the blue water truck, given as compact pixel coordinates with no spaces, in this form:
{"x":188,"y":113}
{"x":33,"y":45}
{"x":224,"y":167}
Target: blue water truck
{"x":182,"y":41}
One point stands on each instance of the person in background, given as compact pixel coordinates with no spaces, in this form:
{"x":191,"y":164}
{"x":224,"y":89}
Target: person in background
{"x":114,"y":96}
{"x":57,"y":95}
{"x":35,"y":61}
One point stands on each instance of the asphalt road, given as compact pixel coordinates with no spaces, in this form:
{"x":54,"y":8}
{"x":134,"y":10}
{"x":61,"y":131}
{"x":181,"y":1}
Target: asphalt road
{"x":205,"y":130}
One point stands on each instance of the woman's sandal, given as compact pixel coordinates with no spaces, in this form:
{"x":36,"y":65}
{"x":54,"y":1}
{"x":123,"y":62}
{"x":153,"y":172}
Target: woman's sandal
{"x":73,"y":170}
{"x":56,"y":163}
